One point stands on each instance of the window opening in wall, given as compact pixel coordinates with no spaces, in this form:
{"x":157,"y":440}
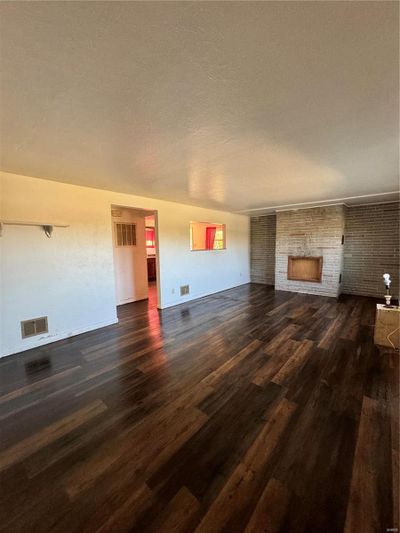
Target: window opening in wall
{"x":219,"y":240}
{"x":150,"y":237}
{"x":207,"y":236}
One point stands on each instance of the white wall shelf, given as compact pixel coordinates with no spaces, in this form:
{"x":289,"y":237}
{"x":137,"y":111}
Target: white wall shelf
{"x":47,"y":226}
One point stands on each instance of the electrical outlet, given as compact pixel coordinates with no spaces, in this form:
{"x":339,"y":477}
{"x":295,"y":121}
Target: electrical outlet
{"x":173,"y":291}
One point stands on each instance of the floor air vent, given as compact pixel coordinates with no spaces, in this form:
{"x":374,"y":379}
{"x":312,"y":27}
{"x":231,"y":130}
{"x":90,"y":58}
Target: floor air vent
{"x":36,"y":326}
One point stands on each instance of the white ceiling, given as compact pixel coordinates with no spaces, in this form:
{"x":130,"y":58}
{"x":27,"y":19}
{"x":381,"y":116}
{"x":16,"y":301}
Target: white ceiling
{"x":232,"y":105}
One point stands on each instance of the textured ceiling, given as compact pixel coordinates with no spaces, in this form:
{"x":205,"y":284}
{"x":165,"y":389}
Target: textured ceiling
{"x":231,"y":105}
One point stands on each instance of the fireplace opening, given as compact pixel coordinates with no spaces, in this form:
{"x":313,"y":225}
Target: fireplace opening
{"x":304,"y":268}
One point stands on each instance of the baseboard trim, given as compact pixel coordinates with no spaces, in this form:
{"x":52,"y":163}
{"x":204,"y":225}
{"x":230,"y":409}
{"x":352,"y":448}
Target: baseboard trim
{"x":201,"y":295}
{"x":308,"y":292}
{"x":42,"y":341}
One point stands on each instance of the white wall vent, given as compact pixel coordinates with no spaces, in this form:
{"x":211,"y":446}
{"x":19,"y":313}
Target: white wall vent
{"x":125,"y":234}
{"x":35,"y":326}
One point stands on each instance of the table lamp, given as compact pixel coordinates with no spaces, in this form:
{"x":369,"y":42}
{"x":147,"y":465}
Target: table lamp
{"x":387,"y":281}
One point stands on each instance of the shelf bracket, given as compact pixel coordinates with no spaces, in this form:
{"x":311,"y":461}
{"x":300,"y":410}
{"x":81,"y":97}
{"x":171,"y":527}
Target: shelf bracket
{"x":48,"y":230}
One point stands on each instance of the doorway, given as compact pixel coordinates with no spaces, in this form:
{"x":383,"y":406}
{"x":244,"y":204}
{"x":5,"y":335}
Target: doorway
{"x":135,"y":255}
{"x":151,"y":251}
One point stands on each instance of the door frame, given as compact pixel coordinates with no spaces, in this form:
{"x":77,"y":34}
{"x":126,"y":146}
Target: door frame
{"x":149,"y":211}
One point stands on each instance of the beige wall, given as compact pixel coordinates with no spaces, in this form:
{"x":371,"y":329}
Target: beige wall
{"x":198,"y":235}
{"x":70,"y":277}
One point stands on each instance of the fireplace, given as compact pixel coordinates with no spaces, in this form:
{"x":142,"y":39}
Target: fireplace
{"x":304,"y":268}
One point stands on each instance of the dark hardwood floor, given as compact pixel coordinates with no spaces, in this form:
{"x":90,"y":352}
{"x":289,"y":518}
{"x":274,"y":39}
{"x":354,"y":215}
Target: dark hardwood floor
{"x":249,"y":410}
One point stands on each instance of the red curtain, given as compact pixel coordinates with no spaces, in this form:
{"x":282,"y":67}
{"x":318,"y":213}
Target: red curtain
{"x":210,"y":237}
{"x":150,"y":237}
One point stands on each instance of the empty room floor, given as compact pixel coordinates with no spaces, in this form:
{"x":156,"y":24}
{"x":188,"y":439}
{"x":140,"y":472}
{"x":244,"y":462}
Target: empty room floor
{"x":248,"y":410}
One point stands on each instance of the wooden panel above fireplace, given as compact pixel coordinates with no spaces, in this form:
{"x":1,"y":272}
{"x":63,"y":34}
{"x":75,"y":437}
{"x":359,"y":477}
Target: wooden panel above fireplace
{"x":304,"y":268}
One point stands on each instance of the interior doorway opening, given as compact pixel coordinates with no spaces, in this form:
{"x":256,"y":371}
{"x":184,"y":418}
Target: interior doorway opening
{"x":135,"y":253}
{"x":151,"y":251}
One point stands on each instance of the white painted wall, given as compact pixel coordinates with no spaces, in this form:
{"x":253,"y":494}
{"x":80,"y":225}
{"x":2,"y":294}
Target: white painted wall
{"x":130,"y":262}
{"x":70,"y":277}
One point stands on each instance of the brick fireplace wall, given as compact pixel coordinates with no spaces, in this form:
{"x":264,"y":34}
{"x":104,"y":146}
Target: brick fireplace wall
{"x":310,"y":232}
{"x":262,"y":249}
{"x":371,"y":248}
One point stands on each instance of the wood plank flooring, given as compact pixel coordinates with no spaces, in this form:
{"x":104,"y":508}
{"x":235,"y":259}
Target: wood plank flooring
{"x":247,"y":411}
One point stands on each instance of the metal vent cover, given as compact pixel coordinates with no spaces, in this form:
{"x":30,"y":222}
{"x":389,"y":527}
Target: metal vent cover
{"x":125,"y":234}
{"x":35,"y":326}
{"x":184,"y":290}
